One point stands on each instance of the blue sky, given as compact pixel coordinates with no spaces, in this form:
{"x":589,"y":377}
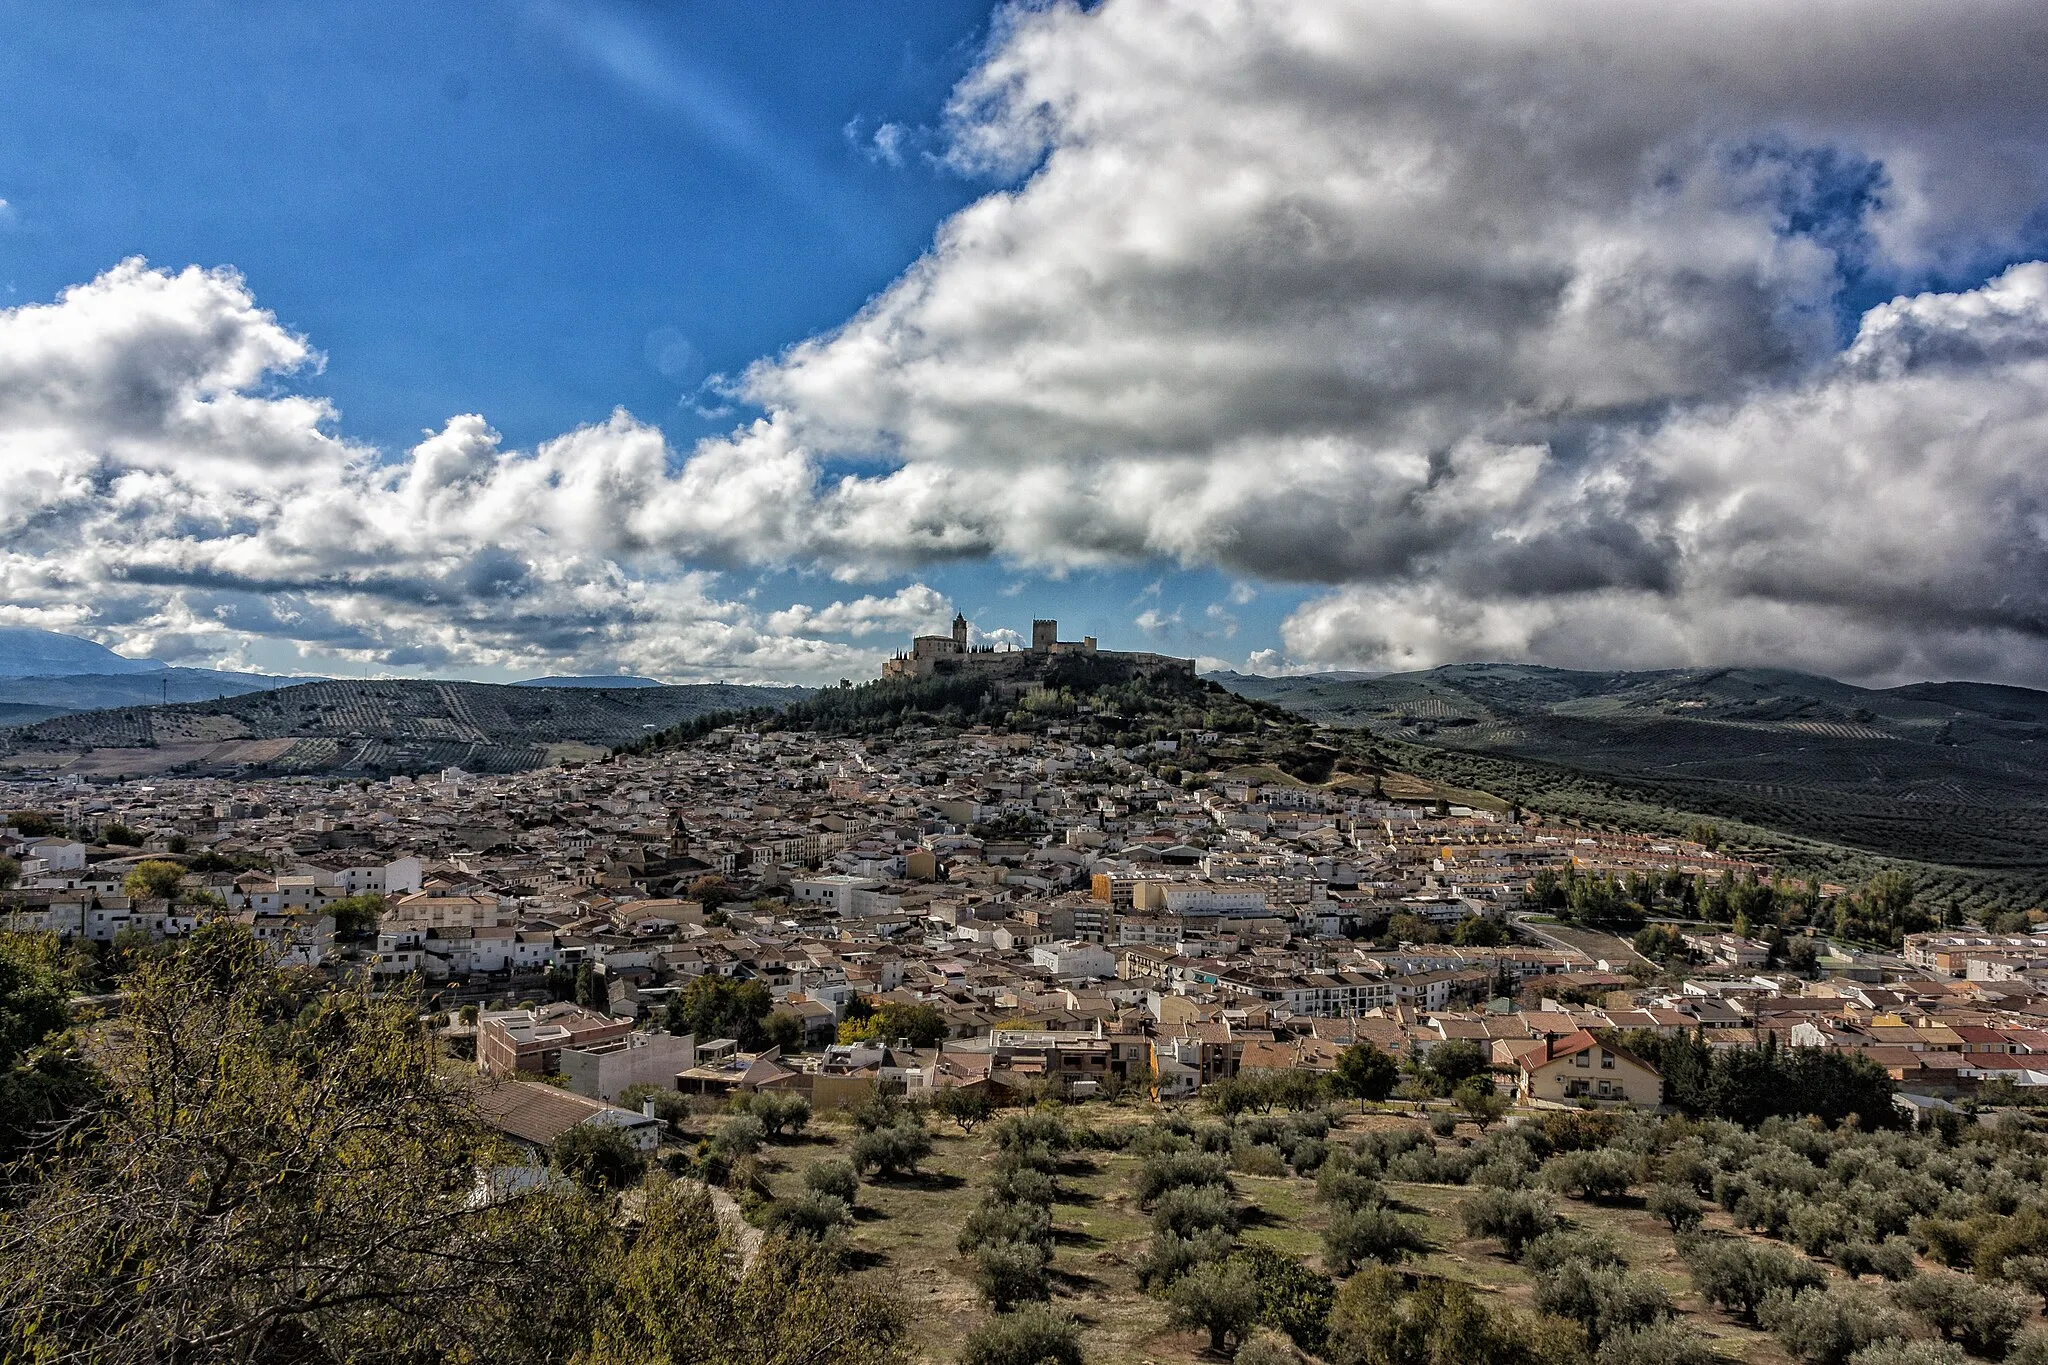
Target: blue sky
{"x":1138,"y":314}
{"x":535,"y":211}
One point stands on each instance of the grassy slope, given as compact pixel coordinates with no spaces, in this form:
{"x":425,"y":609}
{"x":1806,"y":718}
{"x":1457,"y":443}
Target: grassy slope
{"x":904,"y":1243}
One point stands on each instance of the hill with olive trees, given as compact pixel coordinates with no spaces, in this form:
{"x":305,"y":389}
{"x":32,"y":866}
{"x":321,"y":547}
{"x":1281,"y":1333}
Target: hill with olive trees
{"x":369,"y":727}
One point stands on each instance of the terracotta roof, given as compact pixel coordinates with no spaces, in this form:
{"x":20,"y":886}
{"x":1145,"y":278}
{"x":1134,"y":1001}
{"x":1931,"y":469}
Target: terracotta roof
{"x":537,"y":1113}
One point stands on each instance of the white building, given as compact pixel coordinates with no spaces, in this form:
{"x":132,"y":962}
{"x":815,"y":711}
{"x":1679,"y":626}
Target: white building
{"x":1072,"y":957}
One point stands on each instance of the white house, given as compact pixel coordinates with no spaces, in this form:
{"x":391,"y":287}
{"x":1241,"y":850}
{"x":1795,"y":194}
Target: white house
{"x":1073,"y":957}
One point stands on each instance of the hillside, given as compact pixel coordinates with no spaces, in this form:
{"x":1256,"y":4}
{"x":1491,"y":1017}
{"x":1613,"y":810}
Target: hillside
{"x":24,"y":700}
{"x":1948,"y":773}
{"x":368,"y":727}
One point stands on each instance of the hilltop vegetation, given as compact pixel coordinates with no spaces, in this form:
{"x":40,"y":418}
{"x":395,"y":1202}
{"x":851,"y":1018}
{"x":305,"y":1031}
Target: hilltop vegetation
{"x":1944,"y":781}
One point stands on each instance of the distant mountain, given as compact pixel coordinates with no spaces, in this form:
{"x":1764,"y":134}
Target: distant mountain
{"x":56,"y":696}
{"x":26,"y":653}
{"x":590,"y":680}
{"x":368,"y":727}
{"x":1953,"y":773}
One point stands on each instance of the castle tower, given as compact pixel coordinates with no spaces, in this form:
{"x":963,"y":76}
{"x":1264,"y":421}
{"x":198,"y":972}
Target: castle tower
{"x":960,"y":631}
{"x":1043,"y":635}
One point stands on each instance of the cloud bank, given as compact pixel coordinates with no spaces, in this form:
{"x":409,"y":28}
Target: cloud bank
{"x":1520,"y":330}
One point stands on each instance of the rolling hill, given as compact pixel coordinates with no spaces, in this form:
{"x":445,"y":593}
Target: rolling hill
{"x":1948,"y":773}
{"x":367,"y":727}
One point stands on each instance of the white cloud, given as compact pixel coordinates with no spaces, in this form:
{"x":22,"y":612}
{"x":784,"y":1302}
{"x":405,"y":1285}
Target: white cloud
{"x":1512,"y":326}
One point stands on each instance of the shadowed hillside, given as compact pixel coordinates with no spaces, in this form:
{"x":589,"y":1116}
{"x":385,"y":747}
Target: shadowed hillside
{"x":369,"y":727}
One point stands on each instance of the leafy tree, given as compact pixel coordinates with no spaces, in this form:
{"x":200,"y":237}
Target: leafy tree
{"x":1365,"y":1073}
{"x":1601,"y":1173}
{"x":836,"y":1178}
{"x":676,"y":1297}
{"x":1826,"y":1325}
{"x":599,"y":1157}
{"x":1010,"y":1273}
{"x":40,"y":1081}
{"x":1188,"y":1209}
{"x":153,"y":879}
{"x":269,"y":1177}
{"x":1738,"y":1274}
{"x":355,"y":915}
{"x":921,"y":1025}
{"x":892,"y":1151}
{"x":1450,"y":1064}
{"x":1981,"y":1317}
{"x":10,"y":872}
{"x":812,"y":1214}
{"x":739,"y":1135}
{"x":1663,"y":1343}
{"x":779,"y":1111}
{"x":1603,"y":1299}
{"x":1292,"y":1298}
{"x":711,"y":891}
{"x":1676,"y":1205}
{"x":1033,"y":1335}
{"x":714,"y":1006}
{"x":1220,"y":1298}
{"x":1354,"y":1236}
{"x":965,"y":1107}
{"x":784,"y":1031}
{"x":1476,"y":1097}
{"x":1514,"y":1218}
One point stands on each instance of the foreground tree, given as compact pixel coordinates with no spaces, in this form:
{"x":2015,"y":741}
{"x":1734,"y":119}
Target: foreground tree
{"x":273,"y":1174}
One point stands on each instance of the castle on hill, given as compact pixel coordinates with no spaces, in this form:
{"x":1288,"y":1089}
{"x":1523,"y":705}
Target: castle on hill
{"x":950,"y":655}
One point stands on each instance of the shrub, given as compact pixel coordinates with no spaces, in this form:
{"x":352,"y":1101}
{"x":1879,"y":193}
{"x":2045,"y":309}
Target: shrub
{"x":1032,"y":1335}
{"x":1909,"y":1353}
{"x":1738,"y":1274}
{"x":1983,"y":1318}
{"x":894,"y":1151}
{"x":1443,"y":1123}
{"x":740,"y":1135}
{"x":1676,"y":1205}
{"x":1432,"y":1166}
{"x":1171,"y":1256}
{"x":1375,"y":1233}
{"x":810,"y":1215}
{"x":2029,"y":1348}
{"x":1292,"y":1298}
{"x":1663,"y":1343}
{"x":2030,"y":1273}
{"x":1035,"y":1128}
{"x":1260,"y":1160}
{"x":1188,"y":1209}
{"x":995,"y":1220}
{"x":1267,"y":1348}
{"x":1349,"y":1189}
{"x":1602,"y":1173}
{"x":778,"y":1111}
{"x":836,"y":1178}
{"x":1825,"y":1325}
{"x":1514,"y":1218}
{"x":1817,"y":1229}
{"x":1603,"y":1299}
{"x":1220,"y":1298}
{"x":878,"y":1109}
{"x":1891,"y":1258}
{"x":598,"y":1157}
{"x":1009,"y":1273}
{"x":1176,"y":1170}
{"x":1025,"y":1185}
{"x":1553,"y":1249}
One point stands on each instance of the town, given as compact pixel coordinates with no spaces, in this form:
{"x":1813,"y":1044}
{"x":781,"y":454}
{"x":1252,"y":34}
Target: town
{"x":757,"y":956}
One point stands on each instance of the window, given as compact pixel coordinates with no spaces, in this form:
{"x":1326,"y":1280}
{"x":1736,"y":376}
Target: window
{"x":1582,"y":1059}
{"x":1607,"y":1061}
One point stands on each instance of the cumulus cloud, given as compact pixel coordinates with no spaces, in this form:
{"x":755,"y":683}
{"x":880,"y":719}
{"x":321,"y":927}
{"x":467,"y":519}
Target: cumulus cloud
{"x":1517,"y":328}
{"x":1518,"y":325}
{"x":162,"y":496}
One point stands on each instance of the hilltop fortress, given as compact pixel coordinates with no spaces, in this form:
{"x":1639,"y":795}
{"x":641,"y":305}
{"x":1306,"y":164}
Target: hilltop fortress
{"x":950,"y":655}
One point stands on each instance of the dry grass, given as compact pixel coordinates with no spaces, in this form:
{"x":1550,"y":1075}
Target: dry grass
{"x":904,"y":1243}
